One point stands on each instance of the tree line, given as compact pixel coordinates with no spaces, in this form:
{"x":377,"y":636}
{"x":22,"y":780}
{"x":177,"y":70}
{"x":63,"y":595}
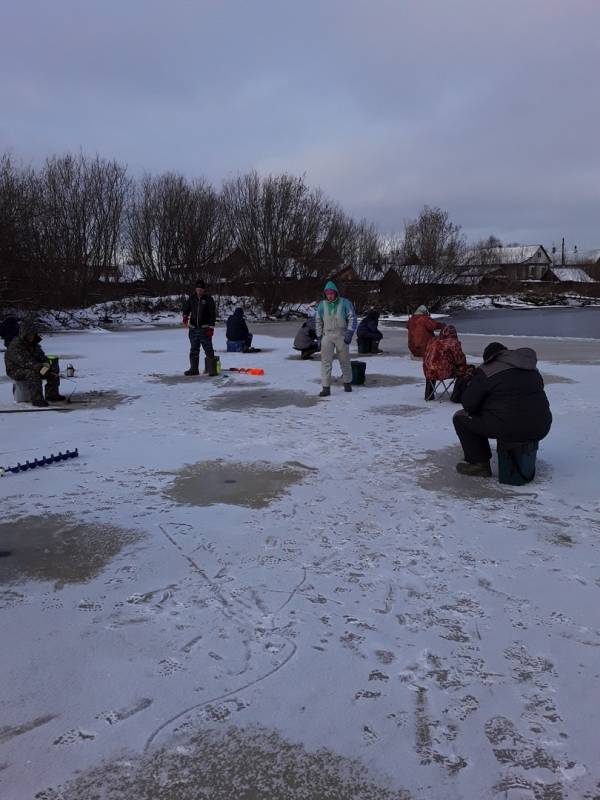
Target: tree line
{"x":77,"y":220}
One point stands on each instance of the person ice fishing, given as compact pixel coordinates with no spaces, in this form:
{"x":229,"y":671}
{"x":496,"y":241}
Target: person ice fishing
{"x":335,"y":325}
{"x":505,"y":400}
{"x":444,"y":359}
{"x":421,"y":330}
{"x":199,"y":316}
{"x":368,"y":334}
{"x":239,"y":338}
{"x":26,"y":361}
{"x":306,"y":339}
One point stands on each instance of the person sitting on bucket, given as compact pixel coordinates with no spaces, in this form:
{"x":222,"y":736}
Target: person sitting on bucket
{"x":26,"y":361}
{"x":306,"y":339}
{"x":199,"y":316}
{"x":505,"y":400}
{"x":421,"y":330}
{"x":444,"y":359}
{"x":368,"y":334}
{"x":237,"y":332}
{"x":336,"y":323}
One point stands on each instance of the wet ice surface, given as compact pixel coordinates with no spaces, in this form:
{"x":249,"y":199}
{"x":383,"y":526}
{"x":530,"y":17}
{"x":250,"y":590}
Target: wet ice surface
{"x":261,"y":398}
{"x":230,"y":763}
{"x":58,"y":548}
{"x":350,"y":610}
{"x":250,"y":485}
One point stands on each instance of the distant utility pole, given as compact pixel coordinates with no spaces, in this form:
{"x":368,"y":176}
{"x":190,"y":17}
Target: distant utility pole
{"x":562,"y":252}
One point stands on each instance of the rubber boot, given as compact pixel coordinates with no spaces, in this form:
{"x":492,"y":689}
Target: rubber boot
{"x":347,"y":387}
{"x":325,"y":392}
{"x":52,"y":393}
{"x":193,"y":370}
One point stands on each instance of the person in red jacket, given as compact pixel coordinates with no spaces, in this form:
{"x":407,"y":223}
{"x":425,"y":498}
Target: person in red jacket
{"x":444,"y":358}
{"x":421,"y":331}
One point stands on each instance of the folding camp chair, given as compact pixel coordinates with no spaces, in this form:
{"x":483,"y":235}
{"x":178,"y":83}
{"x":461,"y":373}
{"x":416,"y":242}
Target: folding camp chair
{"x":442,"y":389}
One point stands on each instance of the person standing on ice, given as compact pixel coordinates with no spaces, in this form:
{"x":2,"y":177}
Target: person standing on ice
{"x":335,"y":325}
{"x":199,"y":316}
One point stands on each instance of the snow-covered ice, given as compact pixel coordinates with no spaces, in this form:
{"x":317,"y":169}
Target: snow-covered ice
{"x":240,"y":588}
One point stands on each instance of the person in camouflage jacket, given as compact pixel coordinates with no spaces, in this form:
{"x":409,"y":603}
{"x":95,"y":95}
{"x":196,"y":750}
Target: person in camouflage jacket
{"x":26,"y":361}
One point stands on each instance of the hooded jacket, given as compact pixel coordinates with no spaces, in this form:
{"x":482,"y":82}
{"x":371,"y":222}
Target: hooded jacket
{"x":368,"y":328}
{"x":336,"y":317}
{"x":237,"y":330}
{"x":22,"y":354}
{"x":507,"y":393}
{"x":421,"y":331}
{"x":306,"y":336}
{"x":444,"y":357}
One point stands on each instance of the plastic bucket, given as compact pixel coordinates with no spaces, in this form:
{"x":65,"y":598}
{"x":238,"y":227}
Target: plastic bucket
{"x":516,"y":462}
{"x":359,"y":370}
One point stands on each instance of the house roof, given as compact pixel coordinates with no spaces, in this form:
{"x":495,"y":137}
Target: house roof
{"x":571,"y":274}
{"x":517,"y":254}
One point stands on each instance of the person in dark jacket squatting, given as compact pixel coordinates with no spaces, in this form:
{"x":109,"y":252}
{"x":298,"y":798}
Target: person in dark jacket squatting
{"x":239,"y":338}
{"x":368,"y":334}
{"x":306,"y":339}
{"x":26,"y":361}
{"x":199,"y":316}
{"x":505,"y":400}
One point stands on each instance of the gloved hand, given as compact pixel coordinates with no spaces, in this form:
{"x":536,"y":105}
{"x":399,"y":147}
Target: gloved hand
{"x":186,"y":321}
{"x":208,"y":330}
{"x":44,"y":369}
{"x":348,"y":337}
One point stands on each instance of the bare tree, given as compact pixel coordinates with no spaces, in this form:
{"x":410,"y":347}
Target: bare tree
{"x":79,"y":204}
{"x":175,"y":229}
{"x":267,"y":217}
{"x":436,"y":244}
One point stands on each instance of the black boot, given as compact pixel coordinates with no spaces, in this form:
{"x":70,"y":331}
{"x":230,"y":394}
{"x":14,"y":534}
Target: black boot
{"x":481,"y":470}
{"x":347,"y":387}
{"x":325,"y":392}
{"x":193,"y":370}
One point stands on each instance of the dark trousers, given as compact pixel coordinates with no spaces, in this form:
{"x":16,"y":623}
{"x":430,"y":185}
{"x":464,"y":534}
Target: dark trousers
{"x":308,"y":352}
{"x":473,"y":436}
{"x":34,"y":382}
{"x":199,"y":337}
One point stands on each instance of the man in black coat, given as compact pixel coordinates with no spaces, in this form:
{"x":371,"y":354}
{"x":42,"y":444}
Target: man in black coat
{"x":199,"y":316}
{"x":505,"y":400}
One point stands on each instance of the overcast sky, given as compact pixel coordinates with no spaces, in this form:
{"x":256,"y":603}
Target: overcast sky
{"x":487,"y":108}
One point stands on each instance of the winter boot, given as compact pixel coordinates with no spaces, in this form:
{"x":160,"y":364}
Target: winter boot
{"x":347,"y":387}
{"x":325,"y":392}
{"x":210,"y":366}
{"x":39,"y":402}
{"x":52,"y":393}
{"x":55,"y":397}
{"x":193,"y":370}
{"x":481,"y":470}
